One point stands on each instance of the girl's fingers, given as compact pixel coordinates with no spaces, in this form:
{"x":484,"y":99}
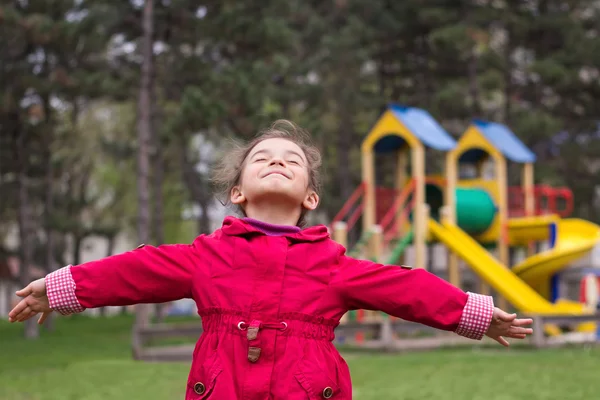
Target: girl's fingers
{"x":522,"y":322}
{"x":502,"y":341}
{"x":26,"y":291}
{"x":17,"y":310}
{"x":525,"y":331}
{"x":517,"y":335}
{"x":43,"y":317}
{"x":31,"y":315}
{"x":25,"y":314}
{"x":502,"y":315}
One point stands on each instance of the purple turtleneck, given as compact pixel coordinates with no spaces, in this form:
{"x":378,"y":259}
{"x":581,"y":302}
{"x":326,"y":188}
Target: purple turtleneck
{"x":272,"y":229}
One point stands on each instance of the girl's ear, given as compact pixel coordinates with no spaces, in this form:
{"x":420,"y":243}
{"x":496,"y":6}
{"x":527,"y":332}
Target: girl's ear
{"x":237,"y":197}
{"x":311,"y":201}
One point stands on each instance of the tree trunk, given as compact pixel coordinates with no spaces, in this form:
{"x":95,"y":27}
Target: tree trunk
{"x":77,"y":242}
{"x":144,"y":128}
{"x":24,"y":221}
{"x":204,"y":220}
{"x":158,"y":175}
{"x":158,"y":163}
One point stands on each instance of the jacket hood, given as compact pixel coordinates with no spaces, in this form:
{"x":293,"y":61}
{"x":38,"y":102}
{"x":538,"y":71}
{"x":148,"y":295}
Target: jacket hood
{"x":233,"y":226}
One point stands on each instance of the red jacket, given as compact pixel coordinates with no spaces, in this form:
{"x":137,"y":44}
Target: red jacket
{"x":269,"y":305}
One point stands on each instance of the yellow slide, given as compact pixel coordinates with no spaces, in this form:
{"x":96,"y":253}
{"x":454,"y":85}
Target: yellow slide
{"x":505,"y":282}
{"x":574,"y":238}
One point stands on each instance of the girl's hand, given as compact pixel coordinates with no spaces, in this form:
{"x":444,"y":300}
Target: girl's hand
{"x":34,"y":301}
{"x":508,"y":325}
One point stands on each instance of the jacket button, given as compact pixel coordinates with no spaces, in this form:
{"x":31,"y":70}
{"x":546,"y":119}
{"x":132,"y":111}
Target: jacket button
{"x":199,"y":388}
{"x":327,"y":392}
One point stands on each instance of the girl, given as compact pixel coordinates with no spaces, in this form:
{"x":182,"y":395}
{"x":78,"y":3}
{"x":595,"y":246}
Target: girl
{"x":269,"y":291}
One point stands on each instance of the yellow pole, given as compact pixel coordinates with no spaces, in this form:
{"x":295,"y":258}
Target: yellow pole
{"x":340,"y":233}
{"x":529,"y":198}
{"x":368,"y":177}
{"x":425,"y":213}
{"x":400,"y":183}
{"x":401,"y":168}
{"x":420,"y":225}
{"x":503,"y":252}
{"x":376,"y":252}
{"x":483,"y":287}
{"x":450,"y":215}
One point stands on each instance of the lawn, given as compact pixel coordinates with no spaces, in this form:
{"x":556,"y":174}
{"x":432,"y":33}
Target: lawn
{"x":89,"y":359}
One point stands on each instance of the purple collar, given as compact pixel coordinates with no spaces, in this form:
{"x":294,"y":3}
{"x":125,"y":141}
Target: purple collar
{"x":272,"y":229}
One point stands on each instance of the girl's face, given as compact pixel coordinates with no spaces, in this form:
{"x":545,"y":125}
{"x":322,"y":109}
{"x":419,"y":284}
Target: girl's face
{"x":275,"y":172}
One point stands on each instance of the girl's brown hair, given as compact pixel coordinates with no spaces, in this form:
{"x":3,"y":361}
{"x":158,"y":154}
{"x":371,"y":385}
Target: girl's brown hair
{"x":228,"y":171}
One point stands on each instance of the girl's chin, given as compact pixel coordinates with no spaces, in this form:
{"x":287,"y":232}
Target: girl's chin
{"x":278,"y":194}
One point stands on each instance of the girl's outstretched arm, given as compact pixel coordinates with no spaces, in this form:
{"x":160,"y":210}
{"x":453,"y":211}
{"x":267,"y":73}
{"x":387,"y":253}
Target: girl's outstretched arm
{"x":147,"y":274}
{"x":413,"y":295}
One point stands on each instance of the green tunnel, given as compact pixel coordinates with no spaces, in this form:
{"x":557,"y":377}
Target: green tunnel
{"x":475,"y":209}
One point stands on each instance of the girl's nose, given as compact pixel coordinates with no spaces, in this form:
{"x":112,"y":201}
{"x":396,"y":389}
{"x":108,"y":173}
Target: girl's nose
{"x":276,"y":161}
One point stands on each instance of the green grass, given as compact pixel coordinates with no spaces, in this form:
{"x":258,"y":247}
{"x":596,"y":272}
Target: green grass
{"x":88,"y":359}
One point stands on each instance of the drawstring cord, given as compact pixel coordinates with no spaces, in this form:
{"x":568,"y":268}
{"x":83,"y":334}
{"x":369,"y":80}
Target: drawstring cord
{"x":254,"y":347}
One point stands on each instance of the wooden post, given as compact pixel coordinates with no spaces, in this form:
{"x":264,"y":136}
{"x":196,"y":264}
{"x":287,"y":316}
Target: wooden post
{"x":401,"y":169}
{"x":503,"y":251}
{"x":418,"y":174}
{"x":340,"y":233}
{"x":400,"y":183}
{"x":424,"y":216}
{"x":376,"y":244}
{"x":368,"y":175}
{"x":479,"y":166}
{"x":528,"y":191}
{"x":538,"y":338}
{"x":386,"y":334}
{"x":450,"y":213}
{"x":375,"y":253}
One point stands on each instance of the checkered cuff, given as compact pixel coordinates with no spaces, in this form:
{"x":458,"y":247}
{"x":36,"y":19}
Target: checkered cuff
{"x":60,"y":289}
{"x":476,"y":317}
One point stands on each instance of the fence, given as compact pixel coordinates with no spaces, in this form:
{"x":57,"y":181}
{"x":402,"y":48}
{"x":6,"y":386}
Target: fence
{"x":386,"y":334}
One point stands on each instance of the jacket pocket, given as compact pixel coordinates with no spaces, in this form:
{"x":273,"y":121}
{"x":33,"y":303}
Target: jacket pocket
{"x":203,"y":377}
{"x":316,"y":382}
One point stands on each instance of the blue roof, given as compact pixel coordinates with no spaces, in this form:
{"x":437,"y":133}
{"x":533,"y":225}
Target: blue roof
{"x":422,"y":125}
{"x":505,"y":141}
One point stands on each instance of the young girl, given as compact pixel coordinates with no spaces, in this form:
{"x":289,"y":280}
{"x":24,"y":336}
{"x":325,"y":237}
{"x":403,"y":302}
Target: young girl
{"x":269,"y":291}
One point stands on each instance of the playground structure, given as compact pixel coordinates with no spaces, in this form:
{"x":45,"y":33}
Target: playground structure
{"x":470,"y":215}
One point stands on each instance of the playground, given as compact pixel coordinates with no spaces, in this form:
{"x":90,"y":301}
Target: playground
{"x":470,"y":208}
{"x":89,"y":359}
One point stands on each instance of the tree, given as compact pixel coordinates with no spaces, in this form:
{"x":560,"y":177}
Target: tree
{"x":145,"y":135}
